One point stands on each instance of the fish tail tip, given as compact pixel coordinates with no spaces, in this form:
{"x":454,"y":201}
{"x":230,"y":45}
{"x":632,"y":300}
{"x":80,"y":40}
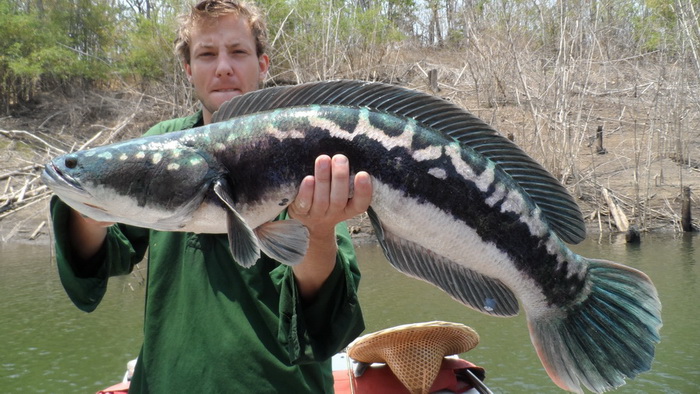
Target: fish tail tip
{"x":609,"y":336}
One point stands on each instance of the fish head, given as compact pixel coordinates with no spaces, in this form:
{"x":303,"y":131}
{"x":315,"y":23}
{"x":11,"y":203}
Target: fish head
{"x":139,"y":182}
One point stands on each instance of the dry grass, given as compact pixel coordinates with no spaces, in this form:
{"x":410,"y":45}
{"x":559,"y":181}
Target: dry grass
{"x":647,"y":106}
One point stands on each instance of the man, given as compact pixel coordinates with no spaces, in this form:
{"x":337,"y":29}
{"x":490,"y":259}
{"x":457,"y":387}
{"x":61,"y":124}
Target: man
{"x":210,"y":325}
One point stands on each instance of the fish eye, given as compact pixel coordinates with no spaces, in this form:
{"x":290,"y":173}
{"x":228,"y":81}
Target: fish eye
{"x":71,"y":162}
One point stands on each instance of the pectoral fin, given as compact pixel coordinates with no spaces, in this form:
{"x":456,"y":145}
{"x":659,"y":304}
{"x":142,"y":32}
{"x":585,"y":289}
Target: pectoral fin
{"x":285,"y":240}
{"x":244,"y":245}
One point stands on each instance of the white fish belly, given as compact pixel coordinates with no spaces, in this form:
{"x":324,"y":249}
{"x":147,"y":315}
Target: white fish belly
{"x":210,"y":217}
{"x":436,"y":230}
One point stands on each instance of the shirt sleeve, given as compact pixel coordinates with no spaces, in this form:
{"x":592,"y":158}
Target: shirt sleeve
{"x":315,"y":332}
{"x":86,"y":281}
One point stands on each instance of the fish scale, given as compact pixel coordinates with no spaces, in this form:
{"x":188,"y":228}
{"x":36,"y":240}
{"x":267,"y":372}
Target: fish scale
{"x":454,"y":204}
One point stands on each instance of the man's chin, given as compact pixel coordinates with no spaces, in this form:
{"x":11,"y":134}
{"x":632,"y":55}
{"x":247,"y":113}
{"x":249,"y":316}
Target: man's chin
{"x":214,"y":103}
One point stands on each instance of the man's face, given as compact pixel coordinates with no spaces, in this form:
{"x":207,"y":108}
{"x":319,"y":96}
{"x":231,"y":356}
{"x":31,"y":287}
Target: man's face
{"x":223,"y":62}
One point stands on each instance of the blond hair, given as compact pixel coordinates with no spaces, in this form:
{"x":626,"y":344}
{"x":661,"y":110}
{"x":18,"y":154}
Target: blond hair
{"x":208,"y":10}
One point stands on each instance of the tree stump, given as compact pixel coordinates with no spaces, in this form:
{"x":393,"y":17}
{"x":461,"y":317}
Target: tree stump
{"x":686,"y":216}
{"x":433,"y":80}
{"x":599,"y":138}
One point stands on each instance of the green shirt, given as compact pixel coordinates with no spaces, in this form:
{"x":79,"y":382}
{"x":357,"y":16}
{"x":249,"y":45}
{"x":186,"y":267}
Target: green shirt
{"x":211,"y":326}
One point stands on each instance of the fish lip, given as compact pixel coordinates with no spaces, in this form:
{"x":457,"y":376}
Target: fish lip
{"x":53,"y":174}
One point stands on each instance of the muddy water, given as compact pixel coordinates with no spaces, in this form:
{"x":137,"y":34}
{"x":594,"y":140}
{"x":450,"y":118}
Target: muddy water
{"x":673,"y":263}
{"x":47,"y":345}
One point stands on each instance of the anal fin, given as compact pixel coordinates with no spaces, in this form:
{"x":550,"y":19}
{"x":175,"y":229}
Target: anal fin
{"x":480,"y":292}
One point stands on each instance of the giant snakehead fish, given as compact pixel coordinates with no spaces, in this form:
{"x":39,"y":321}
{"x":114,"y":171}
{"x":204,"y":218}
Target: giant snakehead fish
{"x":454,"y":203}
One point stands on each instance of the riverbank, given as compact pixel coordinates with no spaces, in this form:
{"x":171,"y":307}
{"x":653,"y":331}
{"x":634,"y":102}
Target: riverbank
{"x":635,"y":180}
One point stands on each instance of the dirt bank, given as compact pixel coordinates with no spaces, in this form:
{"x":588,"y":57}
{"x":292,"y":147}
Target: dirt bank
{"x":642,"y":181}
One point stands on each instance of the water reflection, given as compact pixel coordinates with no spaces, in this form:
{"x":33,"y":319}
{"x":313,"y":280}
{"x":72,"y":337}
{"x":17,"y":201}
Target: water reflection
{"x":50,"y":346}
{"x":512,"y":366}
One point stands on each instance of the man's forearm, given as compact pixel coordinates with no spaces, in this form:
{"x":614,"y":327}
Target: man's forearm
{"x":317,"y":265}
{"x":86,"y":235}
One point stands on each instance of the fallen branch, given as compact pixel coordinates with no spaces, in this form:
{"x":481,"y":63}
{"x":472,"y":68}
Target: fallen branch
{"x":15,"y":134}
{"x":18,"y":226}
{"x":38,"y":229}
{"x":617,"y":213}
{"x":94,"y":137}
{"x":27,"y":203}
{"x":21,"y":171}
{"x":18,"y":197}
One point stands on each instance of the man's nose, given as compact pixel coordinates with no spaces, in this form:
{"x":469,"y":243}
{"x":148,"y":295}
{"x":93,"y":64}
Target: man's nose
{"x":224,"y":65}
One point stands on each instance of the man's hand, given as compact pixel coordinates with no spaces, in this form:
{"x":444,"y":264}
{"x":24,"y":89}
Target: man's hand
{"x":323,"y":201}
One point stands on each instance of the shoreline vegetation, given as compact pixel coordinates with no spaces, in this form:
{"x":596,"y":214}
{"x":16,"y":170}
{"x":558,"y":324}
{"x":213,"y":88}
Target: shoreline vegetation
{"x":604,"y":94}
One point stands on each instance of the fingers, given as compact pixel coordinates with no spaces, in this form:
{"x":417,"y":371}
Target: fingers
{"x":302,"y":203}
{"x":326,"y":196}
{"x":362,"y":196}
{"x":323,"y":175}
{"x":332,"y":192}
{"x":339,"y":192}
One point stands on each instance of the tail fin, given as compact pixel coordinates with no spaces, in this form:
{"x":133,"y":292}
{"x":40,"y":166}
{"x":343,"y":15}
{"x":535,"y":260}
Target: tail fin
{"x":607,"y":337}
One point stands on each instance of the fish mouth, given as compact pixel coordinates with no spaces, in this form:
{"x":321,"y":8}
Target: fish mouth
{"x":53,"y":177}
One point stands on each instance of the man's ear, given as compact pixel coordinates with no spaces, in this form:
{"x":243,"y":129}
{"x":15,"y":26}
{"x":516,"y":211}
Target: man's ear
{"x":264,"y":65}
{"x":188,"y":71}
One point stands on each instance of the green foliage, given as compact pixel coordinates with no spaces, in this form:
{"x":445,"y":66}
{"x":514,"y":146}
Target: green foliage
{"x":652,"y":27}
{"x":148,"y":54}
{"x":15,"y":45}
{"x":54,"y":43}
{"x":19,"y":71}
{"x":373,"y":23}
{"x":324,"y":39}
{"x":51,"y":47}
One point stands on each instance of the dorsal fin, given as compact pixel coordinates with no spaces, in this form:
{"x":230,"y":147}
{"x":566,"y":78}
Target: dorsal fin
{"x":558,"y":207}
